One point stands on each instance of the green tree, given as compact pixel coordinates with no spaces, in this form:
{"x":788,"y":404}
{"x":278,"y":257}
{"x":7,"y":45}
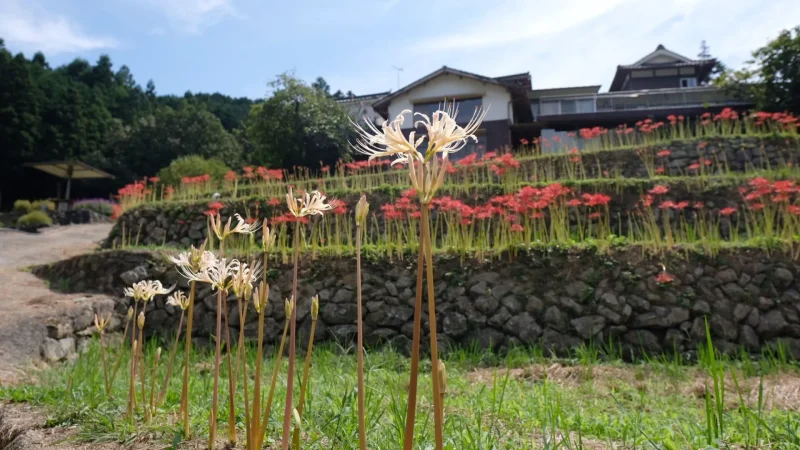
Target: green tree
{"x":298,"y":125}
{"x":772,"y":78}
{"x":155,"y":140}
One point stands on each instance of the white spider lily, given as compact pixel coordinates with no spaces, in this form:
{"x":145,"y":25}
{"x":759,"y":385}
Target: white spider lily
{"x":388,"y":141}
{"x":444,"y":134}
{"x":147,"y":289}
{"x":178,"y":299}
{"x":218,"y":273}
{"x":196,"y":258}
{"x":309,"y":205}
{"x":241,"y":227}
{"x":243,"y":278}
{"x":101,"y":322}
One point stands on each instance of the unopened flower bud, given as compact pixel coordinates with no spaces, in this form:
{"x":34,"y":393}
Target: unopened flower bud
{"x":314,"y":307}
{"x":140,"y":320}
{"x":288,"y":307}
{"x":135,"y":345}
{"x":158,"y":353}
{"x":362,"y":209}
{"x":130,"y":312}
{"x":297,"y":421}
{"x":442,"y":378}
{"x":267,"y":238}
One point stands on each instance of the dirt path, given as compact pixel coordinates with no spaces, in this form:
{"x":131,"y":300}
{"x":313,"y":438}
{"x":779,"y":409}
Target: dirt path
{"x":25,"y":300}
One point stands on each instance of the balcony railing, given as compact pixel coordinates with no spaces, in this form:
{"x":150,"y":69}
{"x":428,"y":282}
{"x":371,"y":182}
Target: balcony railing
{"x":631,"y":100}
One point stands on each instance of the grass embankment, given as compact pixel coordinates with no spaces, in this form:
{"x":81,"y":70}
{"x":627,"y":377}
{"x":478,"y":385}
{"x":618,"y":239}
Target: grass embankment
{"x":521,"y":401}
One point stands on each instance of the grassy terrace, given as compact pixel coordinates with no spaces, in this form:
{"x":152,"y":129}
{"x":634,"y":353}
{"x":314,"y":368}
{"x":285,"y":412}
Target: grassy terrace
{"x":669,"y":189}
{"x":521,"y":400}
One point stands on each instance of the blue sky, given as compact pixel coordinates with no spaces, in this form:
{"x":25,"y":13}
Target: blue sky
{"x":237,"y":46}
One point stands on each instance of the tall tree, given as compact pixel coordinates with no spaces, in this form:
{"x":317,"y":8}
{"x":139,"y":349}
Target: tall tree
{"x":772,"y":77}
{"x":298,"y":125}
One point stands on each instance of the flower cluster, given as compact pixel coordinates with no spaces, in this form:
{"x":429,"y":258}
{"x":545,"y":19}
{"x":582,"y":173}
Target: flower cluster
{"x":199,"y":179}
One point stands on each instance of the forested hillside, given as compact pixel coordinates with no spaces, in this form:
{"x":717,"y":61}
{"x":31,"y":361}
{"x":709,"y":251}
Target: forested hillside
{"x":100,"y":114}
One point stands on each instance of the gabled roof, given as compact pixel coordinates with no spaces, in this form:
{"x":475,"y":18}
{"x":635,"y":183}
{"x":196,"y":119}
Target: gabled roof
{"x":444,"y":70}
{"x":703,"y":66}
{"x":661,"y":51}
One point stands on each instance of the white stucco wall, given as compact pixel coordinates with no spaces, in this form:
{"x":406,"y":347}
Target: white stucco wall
{"x":493,"y":96}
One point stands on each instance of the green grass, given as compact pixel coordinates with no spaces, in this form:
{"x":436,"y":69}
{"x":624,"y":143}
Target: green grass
{"x":518,"y":401}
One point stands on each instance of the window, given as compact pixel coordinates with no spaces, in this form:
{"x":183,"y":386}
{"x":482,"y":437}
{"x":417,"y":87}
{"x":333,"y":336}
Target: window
{"x":688,"y":82}
{"x":568,"y":107}
{"x":535,"y":108}
{"x":466,"y":108}
{"x":550,"y":107}
{"x":585,"y":105}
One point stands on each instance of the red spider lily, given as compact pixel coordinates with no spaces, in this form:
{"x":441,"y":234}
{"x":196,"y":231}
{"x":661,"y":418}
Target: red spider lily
{"x":660,"y":170}
{"x":589,"y":133}
{"x":663,"y":153}
{"x":667,"y":204}
{"x":672,"y":118}
{"x":538,"y":215}
{"x":596,"y":199}
{"x":665,"y":278}
{"x":659,"y":189}
{"x":594,"y":215}
{"x":571,"y":134}
{"x":556,"y":139}
{"x":250,"y":220}
{"x":757,"y":206}
{"x":210,"y":212}
{"x":154,"y":180}
{"x":230,"y":176}
{"x":702,"y":145}
{"x":468,"y":160}
{"x":216,"y":206}
{"x":699,"y":205}
{"x":680,"y":117}
{"x":340,"y":209}
{"x":116,"y":211}
{"x":523,"y":141}
{"x":168,"y":191}
{"x":605,"y":173}
{"x":647,"y":200}
{"x":573,"y":151}
{"x":794,"y":210}
{"x":574,"y":202}
{"x":694,"y":166}
{"x":415,"y":215}
{"x":575,"y":159}
{"x":274,"y":202}
{"x":727,"y":211}
{"x":489,"y":155}
{"x":465,"y":221}
{"x":681,"y":205}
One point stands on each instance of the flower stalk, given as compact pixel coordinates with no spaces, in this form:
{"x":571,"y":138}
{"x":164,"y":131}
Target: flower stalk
{"x":362,"y":209}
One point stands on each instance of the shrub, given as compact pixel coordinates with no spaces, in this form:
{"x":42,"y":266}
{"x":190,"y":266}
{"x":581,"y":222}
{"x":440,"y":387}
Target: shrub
{"x":43,"y":205}
{"x":22,"y":206}
{"x":34,"y":218}
{"x":192,"y":166}
{"x":98,"y":205}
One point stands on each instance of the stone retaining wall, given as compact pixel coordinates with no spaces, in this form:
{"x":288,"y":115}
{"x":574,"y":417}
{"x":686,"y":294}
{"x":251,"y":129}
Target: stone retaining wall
{"x":557,"y":299}
{"x":184,"y":224}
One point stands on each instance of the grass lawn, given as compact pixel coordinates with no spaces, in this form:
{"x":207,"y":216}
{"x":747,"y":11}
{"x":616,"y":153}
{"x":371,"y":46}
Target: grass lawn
{"x":520,"y":400}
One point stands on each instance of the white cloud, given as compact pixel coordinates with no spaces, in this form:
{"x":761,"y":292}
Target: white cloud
{"x":580,"y":42}
{"x":32,"y":28}
{"x":192,"y":16}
